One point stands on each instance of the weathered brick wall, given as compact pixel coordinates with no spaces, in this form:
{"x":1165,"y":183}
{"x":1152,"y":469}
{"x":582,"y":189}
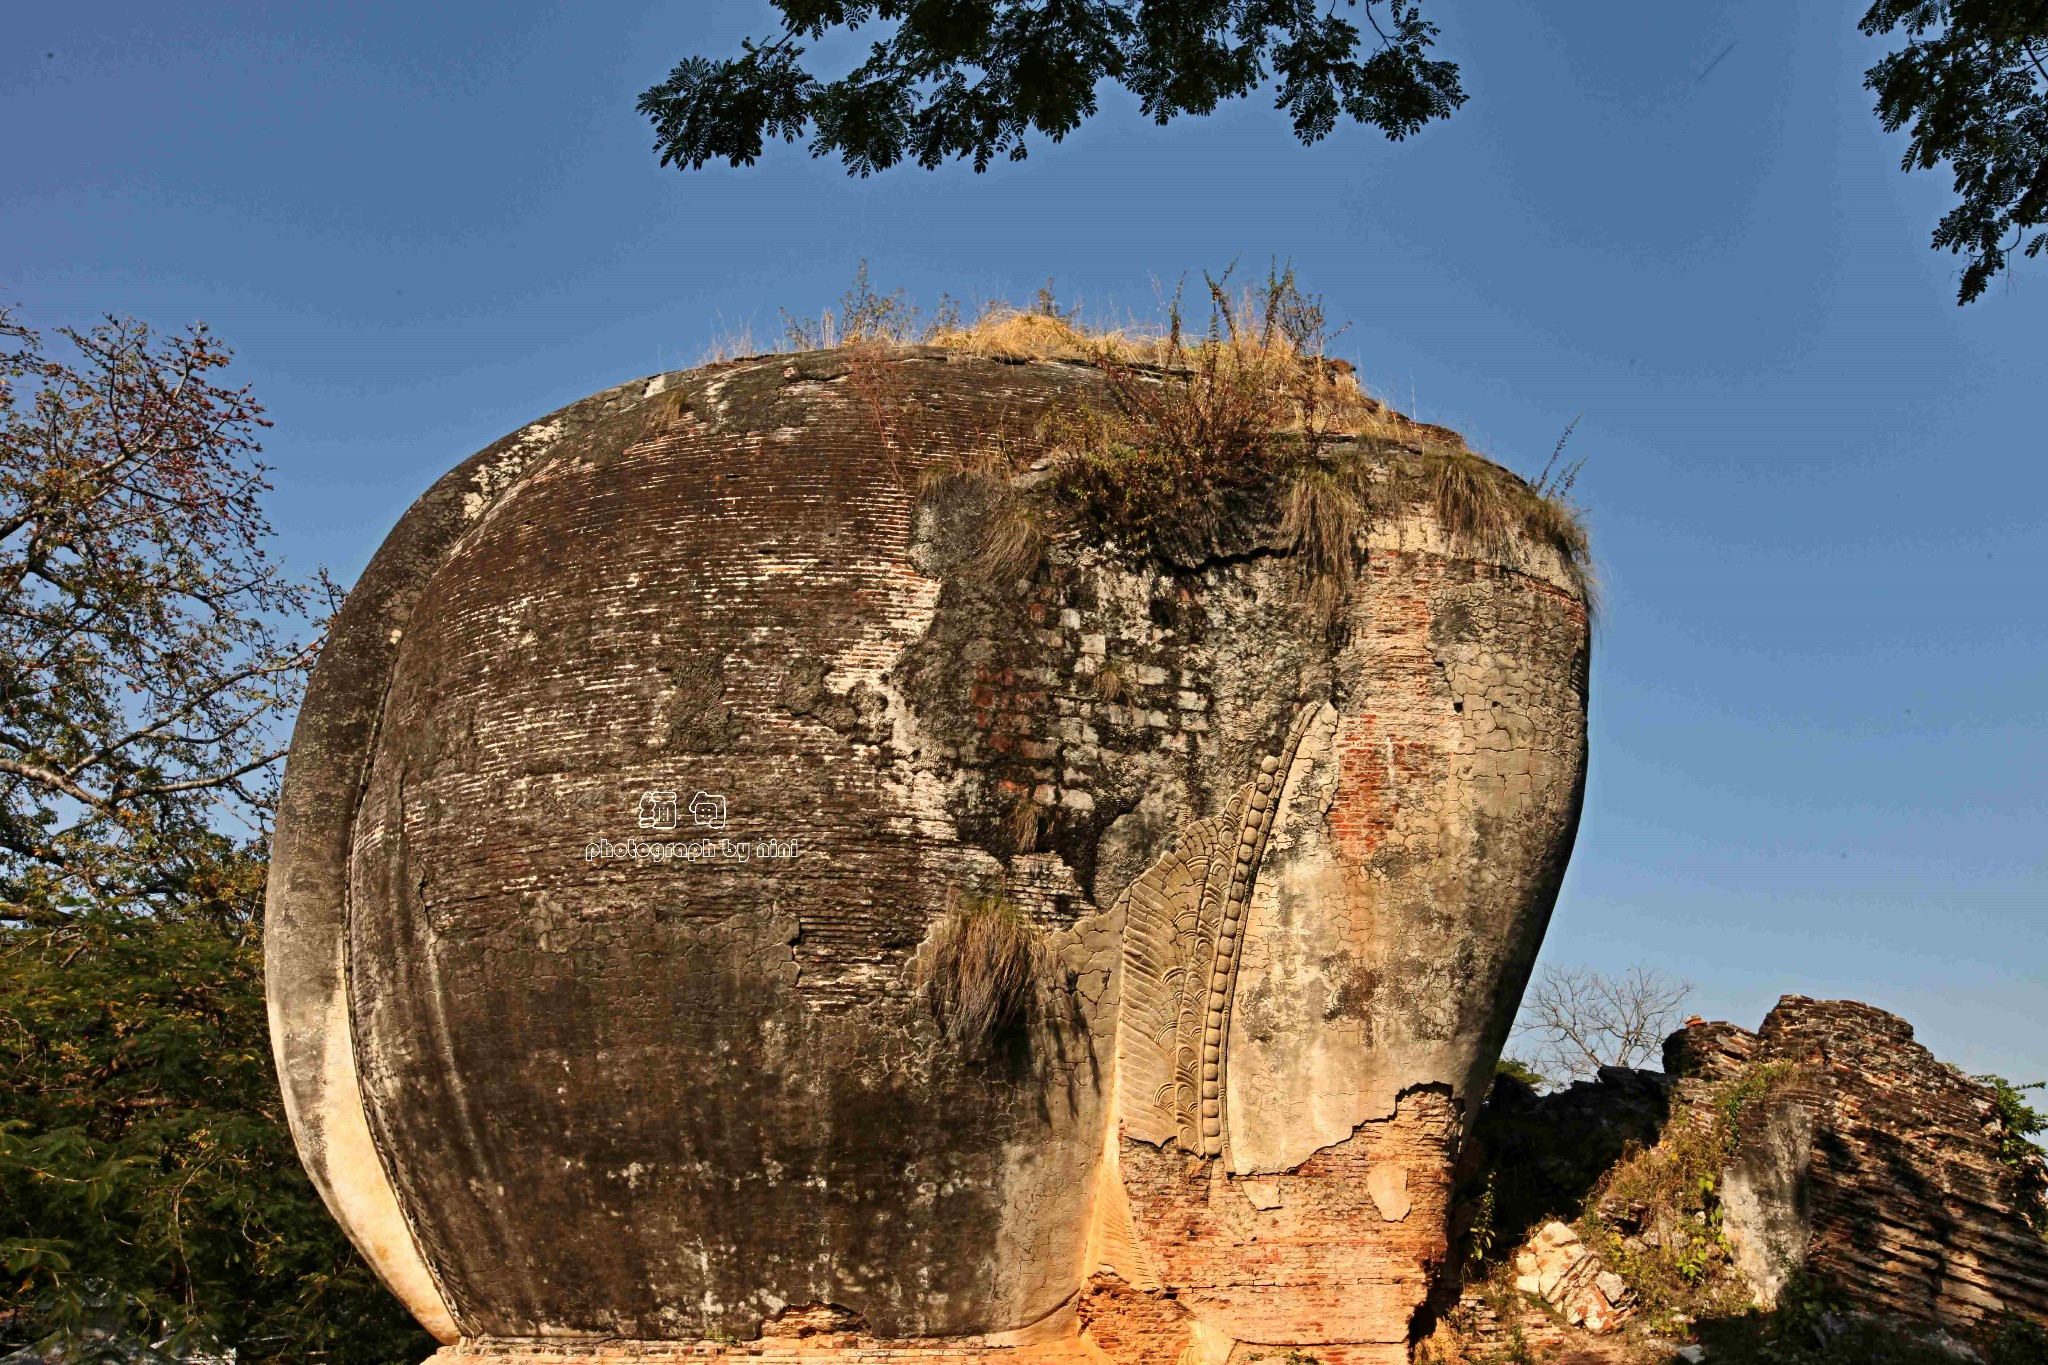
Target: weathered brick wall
{"x":659,"y":1099}
{"x":1886,"y":1170}
{"x":1311,"y":1256}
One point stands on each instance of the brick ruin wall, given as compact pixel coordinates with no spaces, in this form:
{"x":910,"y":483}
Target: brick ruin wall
{"x":1877,"y":1168}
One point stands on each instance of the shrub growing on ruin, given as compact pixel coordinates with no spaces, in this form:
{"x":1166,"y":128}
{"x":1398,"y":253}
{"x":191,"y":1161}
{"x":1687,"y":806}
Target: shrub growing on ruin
{"x":2018,"y":1123}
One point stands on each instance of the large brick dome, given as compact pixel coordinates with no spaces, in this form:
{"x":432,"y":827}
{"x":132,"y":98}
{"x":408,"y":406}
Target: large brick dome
{"x":660,"y":739}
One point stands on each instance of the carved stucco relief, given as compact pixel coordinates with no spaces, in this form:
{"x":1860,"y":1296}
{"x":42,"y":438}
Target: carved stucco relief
{"x":1184,"y":930}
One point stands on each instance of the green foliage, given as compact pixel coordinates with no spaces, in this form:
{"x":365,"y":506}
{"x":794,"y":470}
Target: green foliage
{"x":1483,"y":1232}
{"x":1656,"y":1216}
{"x":970,"y":79}
{"x":2018,"y":1122}
{"x":1521,"y":1071}
{"x":148,"y":1183}
{"x":1972,"y":81}
{"x":144,"y":1159}
{"x":1815,"y":1324}
{"x":2015,"y":1341}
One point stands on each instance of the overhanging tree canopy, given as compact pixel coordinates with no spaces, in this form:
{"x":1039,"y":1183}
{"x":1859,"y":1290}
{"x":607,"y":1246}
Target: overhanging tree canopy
{"x":1972,"y":81}
{"x":969,"y":79}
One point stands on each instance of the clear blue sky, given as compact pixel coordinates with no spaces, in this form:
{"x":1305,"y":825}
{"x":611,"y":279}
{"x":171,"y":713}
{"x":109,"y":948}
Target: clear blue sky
{"x":1817,"y":487}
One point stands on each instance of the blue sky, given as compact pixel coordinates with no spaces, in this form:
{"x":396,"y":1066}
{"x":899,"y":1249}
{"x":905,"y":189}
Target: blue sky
{"x":1816,"y":485}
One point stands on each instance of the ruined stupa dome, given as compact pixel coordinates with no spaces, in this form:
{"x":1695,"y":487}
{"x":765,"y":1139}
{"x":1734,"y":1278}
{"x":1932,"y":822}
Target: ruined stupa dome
{"x":672,"y":752}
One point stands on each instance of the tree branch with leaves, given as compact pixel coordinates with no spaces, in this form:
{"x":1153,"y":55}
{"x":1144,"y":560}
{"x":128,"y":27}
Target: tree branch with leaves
{"x":971,"y":79}
{"x":1971,"y":85}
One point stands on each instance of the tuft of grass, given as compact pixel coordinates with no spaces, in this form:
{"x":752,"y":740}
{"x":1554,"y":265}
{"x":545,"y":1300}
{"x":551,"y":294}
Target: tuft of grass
{"x":1324,"y":519}
{"x":730,"y":343}
{"x":1004,"y":333}
{"x":1485,"y":508}
{"x":1020,"y":824}
{"x":1207,"y":427}
{"x":1014,"y":541}
{"x":990,"y":464}
{"x":981,"y":968}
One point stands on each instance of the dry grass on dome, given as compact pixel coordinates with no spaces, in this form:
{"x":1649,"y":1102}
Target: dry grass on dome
{"x":1250,"y":399}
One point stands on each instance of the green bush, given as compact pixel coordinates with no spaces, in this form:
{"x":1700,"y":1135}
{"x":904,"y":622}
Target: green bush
{"x":145,"y":1164}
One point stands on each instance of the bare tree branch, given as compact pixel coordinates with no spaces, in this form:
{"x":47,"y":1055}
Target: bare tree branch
{"x":1576,"y":1020}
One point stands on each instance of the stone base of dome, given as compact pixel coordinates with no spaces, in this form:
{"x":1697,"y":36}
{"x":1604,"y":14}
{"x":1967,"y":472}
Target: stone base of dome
{"x":864,"y":1350}
{"x":811,"y":1350}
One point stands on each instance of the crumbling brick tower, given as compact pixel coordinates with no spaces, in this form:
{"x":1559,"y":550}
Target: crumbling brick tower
{"x":594,"y":1065}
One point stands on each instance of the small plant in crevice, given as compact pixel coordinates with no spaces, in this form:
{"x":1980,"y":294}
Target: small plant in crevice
{"x":980,"y":969}
{"x":1019,"y":828}
{"x":1013,"y":541}
{"x":1482,"y":1233}
{"x":2018,"y":1123}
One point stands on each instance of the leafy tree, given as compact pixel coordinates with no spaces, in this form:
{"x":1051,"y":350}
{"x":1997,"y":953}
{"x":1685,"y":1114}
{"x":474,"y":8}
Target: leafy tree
{"x":1972,"y":81}
{"x":145,"y":659}
{"x":1519,"y":1070}
{"x":969,"y":79}
{"x":145,"y":1165}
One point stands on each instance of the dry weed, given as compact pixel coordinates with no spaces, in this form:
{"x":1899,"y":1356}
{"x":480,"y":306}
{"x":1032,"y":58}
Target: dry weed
{"x":1003,"y":333}
{"x":981,"y":968}
{"x":1485,"y":508}
{"x":1324,"y":519}
{"x":1014,"y":540}
{"x":1020,"y":824}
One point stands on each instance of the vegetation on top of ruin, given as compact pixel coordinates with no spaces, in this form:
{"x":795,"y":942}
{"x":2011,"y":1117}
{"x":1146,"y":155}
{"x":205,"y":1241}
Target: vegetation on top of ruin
{"x":1640,"y":1180}
{"x":1656,"y":1216}
{"x":1207,"y":417}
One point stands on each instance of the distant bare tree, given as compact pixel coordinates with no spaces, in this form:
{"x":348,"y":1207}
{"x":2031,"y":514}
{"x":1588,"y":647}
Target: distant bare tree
{"x":1576,"y":1020}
